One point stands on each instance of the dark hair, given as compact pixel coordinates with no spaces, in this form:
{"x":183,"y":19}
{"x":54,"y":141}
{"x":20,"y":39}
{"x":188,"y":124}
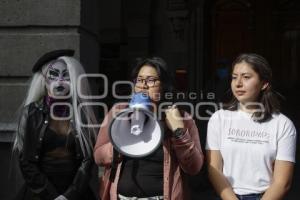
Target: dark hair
{"x":268,"y":98}
{"x":161,"y":67}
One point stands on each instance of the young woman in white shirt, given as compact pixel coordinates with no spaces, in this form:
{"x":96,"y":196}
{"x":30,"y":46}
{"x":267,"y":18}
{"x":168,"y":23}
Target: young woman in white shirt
{"x":250,"y":144}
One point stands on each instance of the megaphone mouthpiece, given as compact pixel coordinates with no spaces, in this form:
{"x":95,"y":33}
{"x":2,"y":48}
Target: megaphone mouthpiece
{"x":140,"y":100}
{"x":136,"y":129}
{"x":137,"y":122}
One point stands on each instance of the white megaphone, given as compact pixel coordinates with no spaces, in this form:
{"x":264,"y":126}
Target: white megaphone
{"x":134,"y":132}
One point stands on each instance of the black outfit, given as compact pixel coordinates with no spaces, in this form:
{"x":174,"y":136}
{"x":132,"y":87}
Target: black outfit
{"x":52,"y":168}
{"x":142,"y":177}
{"x":58,"y":160}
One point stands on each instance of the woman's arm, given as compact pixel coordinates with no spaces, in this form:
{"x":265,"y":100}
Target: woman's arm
{"x":215,"y":174}
{"x":34,"y":178}
{"x":186,"y":147}
{"x":282,"y":180}
{"x":284,"y":162}
{"x":103,"y":150}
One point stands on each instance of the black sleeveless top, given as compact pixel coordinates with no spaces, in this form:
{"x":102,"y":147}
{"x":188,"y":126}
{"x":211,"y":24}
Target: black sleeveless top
{"x":58,"y":159}
{"x":142,"y":177}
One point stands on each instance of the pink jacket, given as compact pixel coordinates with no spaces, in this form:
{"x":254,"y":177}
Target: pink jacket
{"x":179,"y":154}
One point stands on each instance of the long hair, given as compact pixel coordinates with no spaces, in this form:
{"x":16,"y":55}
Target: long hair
{"x":268,"y":98}
{"x":37,"y":90}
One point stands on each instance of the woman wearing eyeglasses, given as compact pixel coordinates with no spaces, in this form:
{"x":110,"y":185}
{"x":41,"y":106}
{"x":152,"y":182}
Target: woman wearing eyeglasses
{"x":158,"y":175}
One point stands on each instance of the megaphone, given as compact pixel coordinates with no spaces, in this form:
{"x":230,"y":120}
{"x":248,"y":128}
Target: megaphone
{"x":135,"y":132}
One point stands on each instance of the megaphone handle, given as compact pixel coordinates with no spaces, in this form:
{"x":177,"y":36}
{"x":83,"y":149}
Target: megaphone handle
{"x":114,"y":165}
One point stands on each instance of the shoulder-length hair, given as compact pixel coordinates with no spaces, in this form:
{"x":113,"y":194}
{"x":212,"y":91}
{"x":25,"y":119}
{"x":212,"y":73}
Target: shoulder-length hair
{"x":162,"y":70}
{"x":37,"y":91}
{"x":267,"y":97}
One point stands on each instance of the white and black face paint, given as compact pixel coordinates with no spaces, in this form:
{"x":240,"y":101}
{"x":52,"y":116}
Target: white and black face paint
{"x":57,"y":79}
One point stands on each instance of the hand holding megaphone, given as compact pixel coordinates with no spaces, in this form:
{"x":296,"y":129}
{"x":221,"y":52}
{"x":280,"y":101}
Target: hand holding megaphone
{"x":173,"y":118}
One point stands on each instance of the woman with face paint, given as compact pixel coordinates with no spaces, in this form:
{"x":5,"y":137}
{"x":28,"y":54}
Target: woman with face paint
{"x":250,"y":144}
{"x":159,"y":174}
{"x":54,"y":147}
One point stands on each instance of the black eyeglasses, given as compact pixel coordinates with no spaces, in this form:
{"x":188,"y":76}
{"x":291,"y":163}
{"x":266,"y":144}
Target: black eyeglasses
{"x":150,"y":81}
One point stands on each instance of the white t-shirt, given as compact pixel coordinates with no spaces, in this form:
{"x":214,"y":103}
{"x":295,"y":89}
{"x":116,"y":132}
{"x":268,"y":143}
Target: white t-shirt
{"x":249,"y":148}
